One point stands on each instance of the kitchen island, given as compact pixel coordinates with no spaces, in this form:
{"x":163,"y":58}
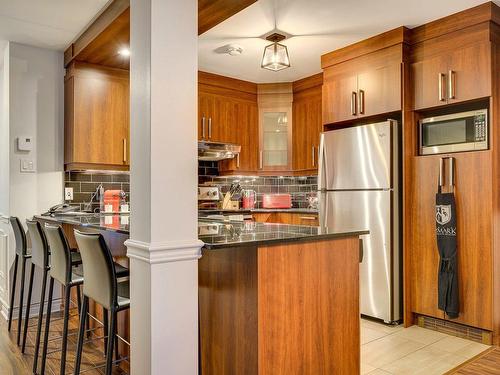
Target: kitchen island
{"x":273,"y":298}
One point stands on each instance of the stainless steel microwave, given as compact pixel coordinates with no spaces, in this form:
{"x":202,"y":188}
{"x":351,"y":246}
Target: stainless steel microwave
{"x":465,"y":131}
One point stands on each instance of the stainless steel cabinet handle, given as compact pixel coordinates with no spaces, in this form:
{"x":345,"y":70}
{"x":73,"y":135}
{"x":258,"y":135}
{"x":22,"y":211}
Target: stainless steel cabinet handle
{"x":261,"y":161}
{"x":308,"y":218}
{"x":451,"y":172}
{"x":125,"y":150}
{"x":451,"y":84}
{"x":361,"y":102}
{"x":441,"y":77}
{"x":353,"y":103}
{"x":313,"y":156}
{"x":237,"y":160}
{"x":210,"y":128}
{"x":203,"y":127}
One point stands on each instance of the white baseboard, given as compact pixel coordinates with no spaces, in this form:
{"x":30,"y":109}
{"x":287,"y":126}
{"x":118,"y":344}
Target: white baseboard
{"x":34,"y":309}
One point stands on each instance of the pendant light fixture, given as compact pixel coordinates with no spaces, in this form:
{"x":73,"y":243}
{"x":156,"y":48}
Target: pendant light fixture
{"x":275,"y":56}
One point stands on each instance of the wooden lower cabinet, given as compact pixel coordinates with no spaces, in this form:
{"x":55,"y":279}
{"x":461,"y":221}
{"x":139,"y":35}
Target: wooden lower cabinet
{"x":272,"y":310}
{"x":286,"y":218}
{"x":473,"y":193}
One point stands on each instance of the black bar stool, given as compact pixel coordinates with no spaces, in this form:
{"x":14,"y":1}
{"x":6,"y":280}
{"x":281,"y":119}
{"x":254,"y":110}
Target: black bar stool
{"x":100,"y":283}
{"x":61,"y":269}
{"x":40,"y":257}
{"x":21,"y":252}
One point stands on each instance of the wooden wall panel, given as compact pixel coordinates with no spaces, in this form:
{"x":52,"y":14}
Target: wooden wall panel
{"x":308,"y":294}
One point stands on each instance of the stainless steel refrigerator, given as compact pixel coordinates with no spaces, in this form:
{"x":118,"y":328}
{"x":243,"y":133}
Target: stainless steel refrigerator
{"x":358,"y":183}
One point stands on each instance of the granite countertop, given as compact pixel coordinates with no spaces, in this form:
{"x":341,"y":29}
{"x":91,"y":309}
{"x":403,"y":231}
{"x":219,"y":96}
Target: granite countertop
{"x":217,"y":233}
{"x":112,"y":222}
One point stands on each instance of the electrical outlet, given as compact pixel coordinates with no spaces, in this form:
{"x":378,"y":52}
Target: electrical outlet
{"x":68,"y":194}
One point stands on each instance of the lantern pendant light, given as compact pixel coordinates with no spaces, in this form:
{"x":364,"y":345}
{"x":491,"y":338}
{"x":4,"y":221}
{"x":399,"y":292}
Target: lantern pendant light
{"x":275,"y":56}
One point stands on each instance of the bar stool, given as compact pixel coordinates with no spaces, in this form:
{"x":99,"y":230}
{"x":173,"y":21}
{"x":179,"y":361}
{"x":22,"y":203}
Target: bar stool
{"x":100,"y":283}
{"x":62,"y":270}
{"x":40,"y":257}
{"x":21,"y":252}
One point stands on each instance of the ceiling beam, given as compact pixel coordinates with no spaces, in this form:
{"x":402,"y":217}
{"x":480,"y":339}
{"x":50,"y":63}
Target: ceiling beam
{"x":213,"y":12}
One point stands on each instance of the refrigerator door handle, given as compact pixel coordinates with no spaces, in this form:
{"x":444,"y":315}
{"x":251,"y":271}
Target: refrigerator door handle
{"x":321,"y":163}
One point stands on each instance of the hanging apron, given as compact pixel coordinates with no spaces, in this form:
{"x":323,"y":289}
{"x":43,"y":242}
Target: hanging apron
{"x":446,"y":233}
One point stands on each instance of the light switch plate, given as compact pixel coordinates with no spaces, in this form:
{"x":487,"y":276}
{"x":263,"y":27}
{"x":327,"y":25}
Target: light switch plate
{"x":28,"y":166}
{"x":68,"y":193}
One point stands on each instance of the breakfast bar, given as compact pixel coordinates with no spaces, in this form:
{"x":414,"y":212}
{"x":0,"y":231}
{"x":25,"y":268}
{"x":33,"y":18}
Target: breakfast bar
{"x":273,"y":298}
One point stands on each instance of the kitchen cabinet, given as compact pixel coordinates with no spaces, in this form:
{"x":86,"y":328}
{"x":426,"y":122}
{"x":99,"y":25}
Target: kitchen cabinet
{"x":365,"y":86}
{"x":474,"y":233}
{"x":96,"y":117}
{"x":306,"y":128}
{"x":455,"y":74}
{"x":228,"y":112}
{"x":310,"y":219}
{"x":275,"y":127}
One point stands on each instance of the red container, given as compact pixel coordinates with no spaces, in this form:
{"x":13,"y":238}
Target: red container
{"x":112,"y":197}
{"x":276,"y":201}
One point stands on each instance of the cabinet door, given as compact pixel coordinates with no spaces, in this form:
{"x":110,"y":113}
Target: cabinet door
{"x":275,"y":142}
{"x":469,"y":73}
{"x":101,"y":121}
{"x":474,"y":231}
{"x":205,"y":110}
{"x":245,"y":132}
{"x":379,"y":90}
{"x":428,"y":92}
{"x":306,"y":128}
{"x":338,"y":92}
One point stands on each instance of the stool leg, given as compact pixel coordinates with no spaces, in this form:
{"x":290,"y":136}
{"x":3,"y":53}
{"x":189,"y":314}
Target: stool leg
{"x":28,"y":307}
{"x":40,"y":318}
{"x":81,"y":334}
{"x":115,"y":334}
{"x":13,"y":291}
{"x":47,"y":326}
{"x":21,"y":297}
{"x":111,"y":341}
{"x":67,"y":296}
{"x":79,"y":299}
{"x":105,"y":328}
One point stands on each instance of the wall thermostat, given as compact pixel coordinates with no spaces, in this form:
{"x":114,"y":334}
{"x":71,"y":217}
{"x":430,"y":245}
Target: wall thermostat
{"x":25,"y":143}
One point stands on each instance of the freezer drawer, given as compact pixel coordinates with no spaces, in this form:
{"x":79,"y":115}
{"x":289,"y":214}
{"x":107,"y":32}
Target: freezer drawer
{"x":379,"y":272}
{"x":358,"y":158}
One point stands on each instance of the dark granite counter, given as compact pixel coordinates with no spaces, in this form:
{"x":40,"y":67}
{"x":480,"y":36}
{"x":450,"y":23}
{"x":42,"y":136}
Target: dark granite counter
{"x":216,"y":233}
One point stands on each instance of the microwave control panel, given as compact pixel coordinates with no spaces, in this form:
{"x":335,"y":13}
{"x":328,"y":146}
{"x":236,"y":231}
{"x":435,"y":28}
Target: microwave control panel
{"x":480,"y":128}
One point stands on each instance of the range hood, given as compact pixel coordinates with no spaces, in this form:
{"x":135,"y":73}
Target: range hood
{"x":215,"y":151}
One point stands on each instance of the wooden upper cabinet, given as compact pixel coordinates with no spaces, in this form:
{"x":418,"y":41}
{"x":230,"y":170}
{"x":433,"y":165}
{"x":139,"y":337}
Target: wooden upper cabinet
{"x":379,"y":90}
{"x":306,"y":129}
{"x":97,"y":121}
{"x":364,"y":79}
{"x":339,"y":91}
{"x":450,"y":70}
{"x":429,"y":82}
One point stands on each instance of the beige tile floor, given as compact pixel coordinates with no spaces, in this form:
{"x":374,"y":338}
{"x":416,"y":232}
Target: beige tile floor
{"x":389,"y":350}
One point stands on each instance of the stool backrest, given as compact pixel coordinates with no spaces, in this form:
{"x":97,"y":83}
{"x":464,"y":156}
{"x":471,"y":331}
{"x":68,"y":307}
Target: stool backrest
{"x":39,"y":245}
{"x":100,"y":278}
{"x":60,"y":254}
{"x":19,"y":235}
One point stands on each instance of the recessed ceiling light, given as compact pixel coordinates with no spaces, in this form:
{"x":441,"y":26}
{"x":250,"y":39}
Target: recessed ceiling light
{"x":124,"y":52}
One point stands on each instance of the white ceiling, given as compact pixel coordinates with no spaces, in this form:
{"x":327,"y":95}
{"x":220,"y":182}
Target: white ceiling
{"x":46,"y":23}
{"x":345,"y":22}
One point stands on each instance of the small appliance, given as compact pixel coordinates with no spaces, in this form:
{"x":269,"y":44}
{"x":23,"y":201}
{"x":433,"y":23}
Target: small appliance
{"x":457,"y":132}
{"x":276,"y":201}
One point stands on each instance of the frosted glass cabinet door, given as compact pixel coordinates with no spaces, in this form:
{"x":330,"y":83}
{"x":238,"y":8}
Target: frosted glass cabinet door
{"x":275,"y":138}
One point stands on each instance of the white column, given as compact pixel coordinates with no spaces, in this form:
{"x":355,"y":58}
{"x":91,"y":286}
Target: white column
{"x":163,"y":246}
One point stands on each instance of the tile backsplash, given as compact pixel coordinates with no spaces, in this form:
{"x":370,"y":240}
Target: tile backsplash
{"x":300,"y":188}
{"x":85,"y":184}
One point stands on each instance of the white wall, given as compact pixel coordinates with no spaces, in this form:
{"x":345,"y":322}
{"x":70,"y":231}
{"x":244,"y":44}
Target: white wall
{"x":4,"y":167}
{"x":35,"y":108}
